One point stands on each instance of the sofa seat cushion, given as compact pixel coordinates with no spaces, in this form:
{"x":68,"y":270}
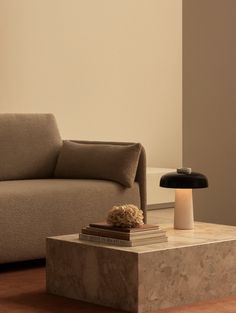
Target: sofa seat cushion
{"x":31,"y":210}
{"x":30,"y":144}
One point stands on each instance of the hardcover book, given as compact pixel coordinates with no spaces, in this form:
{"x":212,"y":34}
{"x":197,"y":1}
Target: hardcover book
{"x":120,"y":242}
{"x":143,"y":227}
{"x":96,"y":231}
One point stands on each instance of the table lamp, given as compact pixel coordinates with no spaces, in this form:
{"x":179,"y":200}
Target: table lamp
{"x":183,"y":180}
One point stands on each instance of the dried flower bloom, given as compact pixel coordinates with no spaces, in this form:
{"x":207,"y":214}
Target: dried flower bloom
{"x":127,"y":215}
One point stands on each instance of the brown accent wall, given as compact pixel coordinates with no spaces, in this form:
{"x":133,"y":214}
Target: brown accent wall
{"x":209,"y":104}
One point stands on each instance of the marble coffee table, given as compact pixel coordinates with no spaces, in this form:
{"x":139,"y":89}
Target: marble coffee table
{"x":194,"y":265}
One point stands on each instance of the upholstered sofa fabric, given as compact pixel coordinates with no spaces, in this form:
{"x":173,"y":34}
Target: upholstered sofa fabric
{"x":104,"y":161}
{"x":31,"y":210}
{"x":140,"y":174}
{"x":34,"y":204}
{"x":30,"y":144}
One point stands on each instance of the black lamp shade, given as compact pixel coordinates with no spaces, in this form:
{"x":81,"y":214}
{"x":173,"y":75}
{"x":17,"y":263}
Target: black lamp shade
{"x":184,"y":181}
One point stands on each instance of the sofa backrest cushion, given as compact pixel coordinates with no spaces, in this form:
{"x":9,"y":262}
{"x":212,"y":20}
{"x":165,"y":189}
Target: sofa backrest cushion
{"x":99,"y":161}
{"x":29,"y":146}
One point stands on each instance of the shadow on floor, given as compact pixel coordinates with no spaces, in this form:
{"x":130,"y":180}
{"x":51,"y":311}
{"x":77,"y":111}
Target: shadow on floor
{"x":16,"y":266}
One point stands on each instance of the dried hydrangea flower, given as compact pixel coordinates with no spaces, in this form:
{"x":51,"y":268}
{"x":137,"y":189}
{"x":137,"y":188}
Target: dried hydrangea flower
{"x":127,"y":215}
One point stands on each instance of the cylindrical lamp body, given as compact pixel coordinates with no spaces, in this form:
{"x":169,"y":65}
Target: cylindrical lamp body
{"x":183,"y":214}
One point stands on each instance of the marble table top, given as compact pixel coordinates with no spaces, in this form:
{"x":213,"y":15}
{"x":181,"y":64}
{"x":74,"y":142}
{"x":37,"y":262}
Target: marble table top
{"x":203,"y":233}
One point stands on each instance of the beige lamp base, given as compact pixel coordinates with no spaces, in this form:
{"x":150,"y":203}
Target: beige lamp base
{"x":183,"y":213}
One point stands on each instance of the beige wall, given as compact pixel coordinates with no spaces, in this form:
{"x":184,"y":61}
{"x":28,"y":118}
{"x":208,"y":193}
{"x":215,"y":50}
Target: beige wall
{"x":209,"y":104}
{"x":108,"y":69}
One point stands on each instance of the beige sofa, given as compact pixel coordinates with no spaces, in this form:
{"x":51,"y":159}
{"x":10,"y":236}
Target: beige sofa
{"x":34,"y":204}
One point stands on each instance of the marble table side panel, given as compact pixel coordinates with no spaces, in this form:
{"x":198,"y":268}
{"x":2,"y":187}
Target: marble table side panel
{"x":93,"y":274}
{"x":186,"y":275}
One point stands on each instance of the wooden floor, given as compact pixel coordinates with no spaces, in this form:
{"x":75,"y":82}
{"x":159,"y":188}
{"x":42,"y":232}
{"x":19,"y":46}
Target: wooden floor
{"x":22,"y":290}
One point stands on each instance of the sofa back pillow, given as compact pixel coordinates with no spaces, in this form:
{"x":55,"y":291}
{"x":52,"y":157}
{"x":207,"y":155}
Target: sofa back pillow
{"x":99,"y":161}
{"x":29,"y":146}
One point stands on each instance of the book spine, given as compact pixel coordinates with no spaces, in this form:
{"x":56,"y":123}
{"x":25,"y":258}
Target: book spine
{"x":122,"y":236}
{"x":126,"y":230}
{"x":99,"y":232}
{"x":105,"y":240}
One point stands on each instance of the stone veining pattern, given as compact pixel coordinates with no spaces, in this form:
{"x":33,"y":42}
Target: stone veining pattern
{"x":194,"y":265}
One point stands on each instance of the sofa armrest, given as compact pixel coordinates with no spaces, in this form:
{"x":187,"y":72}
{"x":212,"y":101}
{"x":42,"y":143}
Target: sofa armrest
{"x":141,"y":170}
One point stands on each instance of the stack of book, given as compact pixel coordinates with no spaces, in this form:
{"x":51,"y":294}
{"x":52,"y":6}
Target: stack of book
{"x":128,"y":237}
